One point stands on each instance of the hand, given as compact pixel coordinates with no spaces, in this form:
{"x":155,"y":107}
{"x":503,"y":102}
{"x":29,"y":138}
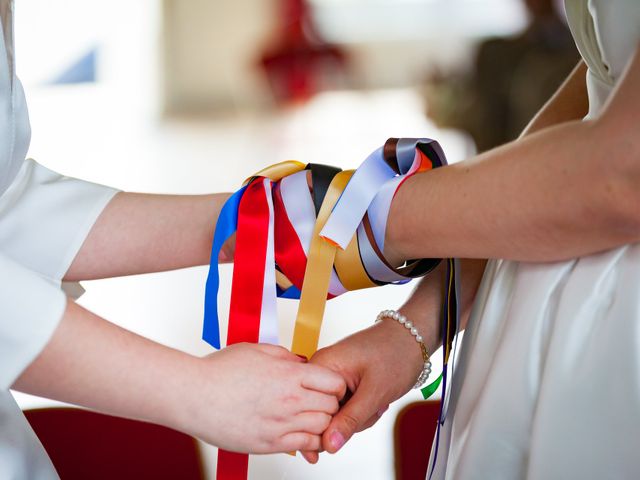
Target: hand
{"x":379,"y":365}
{"x":261,"y":398}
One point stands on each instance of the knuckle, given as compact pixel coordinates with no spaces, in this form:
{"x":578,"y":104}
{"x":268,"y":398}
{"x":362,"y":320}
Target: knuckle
{"x":351,"y":421}
{"x":291,"y":400}
{"x":325,"y":422}
{"x":334,"y":406}
{"x":319,"y":423}
{"x":265,"y":444}
{"x":310,"y":442}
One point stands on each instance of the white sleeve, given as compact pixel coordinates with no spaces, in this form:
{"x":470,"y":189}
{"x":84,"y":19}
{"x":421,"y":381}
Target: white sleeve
{"x":30,"y":310}
{"x":45,"y":218}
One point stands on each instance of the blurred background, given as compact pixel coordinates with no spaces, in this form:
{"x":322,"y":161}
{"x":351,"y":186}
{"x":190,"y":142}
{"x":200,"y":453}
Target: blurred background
{"x":192,"y":96}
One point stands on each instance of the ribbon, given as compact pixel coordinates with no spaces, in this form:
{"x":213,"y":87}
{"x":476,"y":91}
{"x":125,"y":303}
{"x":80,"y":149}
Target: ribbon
{"x":314,"y":232}
{"x":251,"y":301}
{"x":226,"y":226}
{"x":449,"y":317}
{"x":317,"y":276}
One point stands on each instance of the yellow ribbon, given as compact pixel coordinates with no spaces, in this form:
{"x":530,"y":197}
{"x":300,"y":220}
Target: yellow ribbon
{"x":317,"y":275}
{"x":278,"y":171}
{"x":350,"y":269}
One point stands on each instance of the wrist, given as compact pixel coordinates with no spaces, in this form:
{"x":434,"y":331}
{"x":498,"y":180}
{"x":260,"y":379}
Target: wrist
{"x":181,"y":403}
{"x":412,"y":329}
{"x":429,"y":328}
{"x":408,"y":351}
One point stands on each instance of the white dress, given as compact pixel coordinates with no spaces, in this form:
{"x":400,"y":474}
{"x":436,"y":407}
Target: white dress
{"x":547,"y":384}
{"x":44,"y":219}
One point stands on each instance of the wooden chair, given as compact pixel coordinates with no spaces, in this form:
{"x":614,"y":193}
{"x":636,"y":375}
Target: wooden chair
{"x":414,"y":430}
{"x":88,"y":445}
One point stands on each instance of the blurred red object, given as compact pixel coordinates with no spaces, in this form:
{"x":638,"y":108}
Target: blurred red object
{"x":299,"y":61}
{"x":84,"y":444}
{"x":414,"y":430}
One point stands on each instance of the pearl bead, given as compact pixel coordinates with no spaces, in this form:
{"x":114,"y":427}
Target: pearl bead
{"x":404,"y":321}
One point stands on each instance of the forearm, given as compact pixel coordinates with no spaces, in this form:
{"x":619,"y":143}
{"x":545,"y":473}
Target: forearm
{"x":141,"y":233}
{"x":568,"y":103}
{"x":536,"y":199}
{"x":96,"y":364}
{"x":565,"y":191}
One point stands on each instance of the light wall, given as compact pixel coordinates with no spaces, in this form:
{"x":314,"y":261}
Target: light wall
{"x":209,"y":54}
{"x":210,"y":48}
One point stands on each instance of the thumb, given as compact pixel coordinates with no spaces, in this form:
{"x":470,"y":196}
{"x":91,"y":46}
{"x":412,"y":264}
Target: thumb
{"x":351,"y":418}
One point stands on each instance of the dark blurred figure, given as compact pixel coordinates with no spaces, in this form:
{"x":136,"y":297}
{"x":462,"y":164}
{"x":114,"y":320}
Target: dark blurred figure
{"x":512,"y":78}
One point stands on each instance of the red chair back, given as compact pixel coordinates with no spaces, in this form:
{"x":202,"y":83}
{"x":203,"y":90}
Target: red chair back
{"x":84,"y":444}
{"x":414,"y":430}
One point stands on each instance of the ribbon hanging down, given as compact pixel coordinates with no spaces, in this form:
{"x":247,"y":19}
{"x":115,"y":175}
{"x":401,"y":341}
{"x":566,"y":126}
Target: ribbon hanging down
{"x":313,"y":232}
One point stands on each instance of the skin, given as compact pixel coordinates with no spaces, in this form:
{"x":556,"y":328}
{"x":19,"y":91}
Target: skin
{"x":543,"y":197}
{"x":561,"y":192}
{"x":141,"y":233}
{"x":96,"y":364}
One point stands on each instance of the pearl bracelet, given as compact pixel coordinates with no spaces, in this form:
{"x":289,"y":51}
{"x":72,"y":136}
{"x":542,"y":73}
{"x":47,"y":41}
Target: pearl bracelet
{"x":404,"y":321}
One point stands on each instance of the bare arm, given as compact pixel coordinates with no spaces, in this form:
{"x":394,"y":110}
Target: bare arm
{"x":564,"y":191}
{"x":570,"y":102}
{"x":368,"y":360}
{"x":94,"y":363}
{"x":141,"y":233}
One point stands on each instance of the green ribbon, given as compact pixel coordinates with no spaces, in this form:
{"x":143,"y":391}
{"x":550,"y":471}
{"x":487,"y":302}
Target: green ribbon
{"x":431,"y":388}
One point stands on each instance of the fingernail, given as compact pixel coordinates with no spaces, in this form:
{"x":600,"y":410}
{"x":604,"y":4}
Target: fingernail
{"x":337,"y":440}
{"x":382,"y":410}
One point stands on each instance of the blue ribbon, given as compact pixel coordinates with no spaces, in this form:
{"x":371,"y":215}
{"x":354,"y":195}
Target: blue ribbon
{"x":225,"y":227}
{"x":291,"y":292}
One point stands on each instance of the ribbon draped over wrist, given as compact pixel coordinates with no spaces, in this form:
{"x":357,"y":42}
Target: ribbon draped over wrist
{"x":313,"y":232}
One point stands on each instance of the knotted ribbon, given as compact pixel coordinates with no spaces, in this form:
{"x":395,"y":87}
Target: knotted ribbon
{"x":313,"y":232}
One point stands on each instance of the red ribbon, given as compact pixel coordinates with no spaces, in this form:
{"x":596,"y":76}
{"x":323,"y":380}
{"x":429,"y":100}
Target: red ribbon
{"x":246,"y":295}
{"x":289,"y":254}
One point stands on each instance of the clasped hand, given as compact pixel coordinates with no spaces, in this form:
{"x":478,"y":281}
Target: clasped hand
{"x":295,"y":404}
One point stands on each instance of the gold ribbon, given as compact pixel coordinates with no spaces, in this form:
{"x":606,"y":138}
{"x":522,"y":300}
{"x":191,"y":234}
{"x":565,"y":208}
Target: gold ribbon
{"x":278,"y":171}
{"x":350,"y":269}
{"x":317,"y":275}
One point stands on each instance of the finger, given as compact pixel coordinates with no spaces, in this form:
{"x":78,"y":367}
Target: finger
{"x":312,"y":401}
{"x":279,"y":352}
{"x":324,"y":380}
{"x":311,"y":422}
{"x":311,"y":457}
{"x":372,"y":420}
{"x":351,"y":418}
{"x":301,"y":441}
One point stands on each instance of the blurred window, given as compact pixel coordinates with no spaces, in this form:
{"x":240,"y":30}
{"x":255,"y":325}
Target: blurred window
{"x":355,"y":21}
{"x":115,"y":38}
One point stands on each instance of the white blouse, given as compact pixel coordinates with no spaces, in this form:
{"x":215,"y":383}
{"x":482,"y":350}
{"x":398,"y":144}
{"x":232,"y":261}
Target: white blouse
{"x":44,"y":219}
